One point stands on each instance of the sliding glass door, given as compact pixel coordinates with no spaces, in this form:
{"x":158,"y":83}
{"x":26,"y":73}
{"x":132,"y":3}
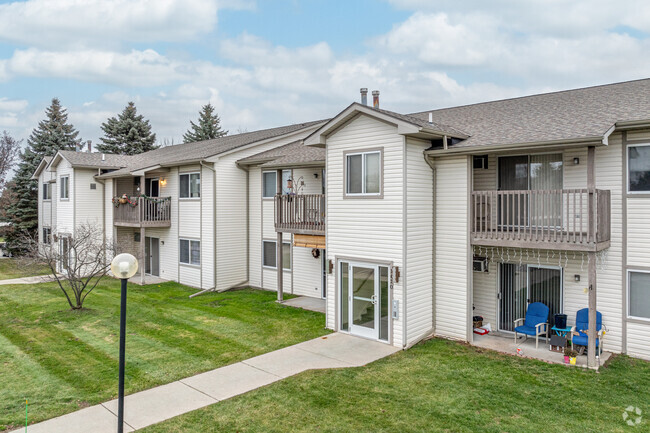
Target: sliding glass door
{"x":520,"y":285}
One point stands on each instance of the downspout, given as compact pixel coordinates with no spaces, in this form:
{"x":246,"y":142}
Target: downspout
{"x":214,"y":223}
{"x":99,"y":172}
{"x":433,"y":244}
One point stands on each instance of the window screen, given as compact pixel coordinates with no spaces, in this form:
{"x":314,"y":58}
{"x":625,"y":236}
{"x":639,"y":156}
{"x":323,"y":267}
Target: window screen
{"x":640,"y":294}
{"x":639,"y":168}
{"x":269,"y":186}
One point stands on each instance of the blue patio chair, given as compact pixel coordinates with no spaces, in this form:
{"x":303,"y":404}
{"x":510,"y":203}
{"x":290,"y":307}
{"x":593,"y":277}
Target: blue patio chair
{"x":579,"y":331}
{"x":535,"y":323}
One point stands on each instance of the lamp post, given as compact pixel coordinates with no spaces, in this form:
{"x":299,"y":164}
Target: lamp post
{"x":123,"y":266}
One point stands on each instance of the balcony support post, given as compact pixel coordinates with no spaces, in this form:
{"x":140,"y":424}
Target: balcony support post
{"x":278,"y":244}
{"x":591,"y":185}
{"x":142,"y":231}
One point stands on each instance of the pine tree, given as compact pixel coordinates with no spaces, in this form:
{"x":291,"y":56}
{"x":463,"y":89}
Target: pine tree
{"x":128,"y":134}
{"x":54,"y":133}
{"x":209,"y":126}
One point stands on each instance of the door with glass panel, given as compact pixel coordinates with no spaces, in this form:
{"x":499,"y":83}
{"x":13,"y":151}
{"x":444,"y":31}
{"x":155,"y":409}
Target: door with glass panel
{"x":520,"y":285}
{"x":364,"y":300}
{"x":152,"y":256}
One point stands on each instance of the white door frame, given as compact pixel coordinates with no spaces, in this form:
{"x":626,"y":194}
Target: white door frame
{"x":149,"y":240}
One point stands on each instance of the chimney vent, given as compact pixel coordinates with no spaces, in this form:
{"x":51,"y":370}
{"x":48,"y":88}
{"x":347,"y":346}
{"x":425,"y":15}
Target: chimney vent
{"x":364,"y":95}
{"x":430,"y":117}
{"x":90,"y":146}
{"x":375,"y":99}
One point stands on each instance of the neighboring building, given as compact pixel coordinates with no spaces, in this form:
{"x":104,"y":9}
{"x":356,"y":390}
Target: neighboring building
{"x":410,"y":224}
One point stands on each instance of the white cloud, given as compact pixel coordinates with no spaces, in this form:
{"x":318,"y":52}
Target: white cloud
{"x":83,"y":23}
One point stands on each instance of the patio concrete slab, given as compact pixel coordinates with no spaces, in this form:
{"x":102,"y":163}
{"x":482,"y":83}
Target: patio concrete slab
{"x":149,"y":407}
{"x":230,"y":381}
{"x":167,"y":401}
{"x":291,"y":361}
{"x":96,"y":419}
{"x":506,"y":344}
{"x":354,"y":351}
{"x":307,"y":303}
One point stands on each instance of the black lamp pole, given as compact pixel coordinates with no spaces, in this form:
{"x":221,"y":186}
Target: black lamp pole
{"x":120,"y":392}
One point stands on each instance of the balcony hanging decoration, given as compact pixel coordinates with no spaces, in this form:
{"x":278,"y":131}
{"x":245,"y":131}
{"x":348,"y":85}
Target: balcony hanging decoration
{"x":124,"y":199}
{"x":152,"y":199}
{"x":540,"y":257}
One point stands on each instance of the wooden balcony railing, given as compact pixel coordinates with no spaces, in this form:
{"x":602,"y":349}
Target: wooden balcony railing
{"x":302,"y":213}
{"x":149,"y":212}
{"x":552,"y":219}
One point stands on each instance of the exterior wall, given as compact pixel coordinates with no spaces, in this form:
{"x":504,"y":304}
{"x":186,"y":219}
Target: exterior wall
{"x":255,"y":226}
{"x":190,"y":226}
{"x":88,"y":202}
{"x":419,"y":266}
{"x":46,"y":208}
{"x":636,"y":255}
{"x":65,"y":209}
{"x":366,"y":229}
{"x":452,"y":253}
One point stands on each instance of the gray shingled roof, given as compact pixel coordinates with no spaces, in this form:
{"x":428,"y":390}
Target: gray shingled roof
{"x":188,"y":152}
{"x":292,"y":154}
{"x":85,"y":159}
{"x":566,"y":115}
{"x":418,"y":121}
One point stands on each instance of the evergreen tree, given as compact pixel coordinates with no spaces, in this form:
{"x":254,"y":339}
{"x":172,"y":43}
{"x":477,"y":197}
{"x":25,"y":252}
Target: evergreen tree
{"x":209,"y":126}
{"x":128,"y":134}
{"x":54,"y":133}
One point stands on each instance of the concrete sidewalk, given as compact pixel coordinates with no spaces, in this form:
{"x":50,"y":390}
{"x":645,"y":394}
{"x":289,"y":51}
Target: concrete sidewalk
{"x":28,"y":280}
{"x":167,"y":401}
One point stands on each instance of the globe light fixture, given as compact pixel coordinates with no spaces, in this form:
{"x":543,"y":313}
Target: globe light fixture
{"x":123,"y":266}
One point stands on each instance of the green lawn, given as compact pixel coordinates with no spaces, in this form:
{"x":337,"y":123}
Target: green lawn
{"x":437,"y":386}
{"x":63,"y":360}
{"x":15,"y":268}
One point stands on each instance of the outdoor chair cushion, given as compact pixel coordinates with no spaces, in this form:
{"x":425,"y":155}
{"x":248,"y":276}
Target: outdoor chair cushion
{"x":582,"y":323}
{"x":536,"y":313}
{"x":527,"y":330}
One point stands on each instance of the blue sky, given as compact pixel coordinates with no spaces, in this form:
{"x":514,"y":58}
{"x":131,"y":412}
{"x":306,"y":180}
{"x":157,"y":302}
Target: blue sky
{"x":269,"y":63}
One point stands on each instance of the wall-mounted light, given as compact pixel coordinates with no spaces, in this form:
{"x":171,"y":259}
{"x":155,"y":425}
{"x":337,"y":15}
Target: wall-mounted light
{"x":576,"y":161}
{"x":397,"y":274}
{"x":576,"y":277}
{"x":163,"y":182}
{"x":315,"y":175}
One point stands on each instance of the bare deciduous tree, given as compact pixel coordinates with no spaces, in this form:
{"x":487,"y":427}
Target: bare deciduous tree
{"x":78,"y":263}
{"x":9,"y":149}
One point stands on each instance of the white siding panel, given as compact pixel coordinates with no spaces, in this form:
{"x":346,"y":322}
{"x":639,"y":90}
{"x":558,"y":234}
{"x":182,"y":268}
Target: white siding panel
{"x":419,"y":245}
{"x":255,"y":227}
{"x":190,"y":276}
{"x":638,"y":231}
{"x":638,"y":335}
{"x":189,"y":219}
{"x":64,"y":208}
{"x":88,"y":202}
{"x":451,"y":247}
{"x":485,"y":294}
{"x":307,"y":271}
{"x":366,"y":229}
{"x":169,"y":266}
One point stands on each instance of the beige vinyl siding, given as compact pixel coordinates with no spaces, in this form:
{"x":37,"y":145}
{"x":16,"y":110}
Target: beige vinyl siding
{"x":255,"y":226}
{"x":637,"y":340}
{"x":109,"y":228}
{"x":125,"y":185}
{"x":486,"y":179}
{"x":639,"y":135}
{"x":207,"y":229}
{"x":485,"y":294}
{"x":419,"y":244}
{"x":169,"y":263}
{"x":451,"y":247}
{"x":365,"y":229}
{"x":88,"y":202}
{"x":189,"y":227}
{"x":609,"y":169}
{"x":65,"y":208}
{"x":638,"y":231}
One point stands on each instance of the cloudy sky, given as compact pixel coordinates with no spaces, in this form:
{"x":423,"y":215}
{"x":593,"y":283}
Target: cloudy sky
{"x":267,"y":63}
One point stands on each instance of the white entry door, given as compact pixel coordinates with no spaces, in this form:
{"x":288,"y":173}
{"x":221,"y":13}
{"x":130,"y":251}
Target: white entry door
{"x":364,"y":300}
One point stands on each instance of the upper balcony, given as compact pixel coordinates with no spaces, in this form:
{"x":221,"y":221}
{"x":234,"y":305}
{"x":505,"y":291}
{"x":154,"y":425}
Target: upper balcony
{"x":142,"y":212}
{"x":544,"y":219}
{"x":300,"y":214}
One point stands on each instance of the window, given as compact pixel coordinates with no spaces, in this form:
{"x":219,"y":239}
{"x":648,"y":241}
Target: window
{"x":190,"y":252}
{"x":269,"y":186}
{"x":638,"y":158}
{"x":47,"y":191}
{"x":363,"y":171}
{"x":269,"y":256}
{"x":65,"y":187}
{"x":190,"y":185}
{"x":639,"y":294}
{"x":47,"y":235}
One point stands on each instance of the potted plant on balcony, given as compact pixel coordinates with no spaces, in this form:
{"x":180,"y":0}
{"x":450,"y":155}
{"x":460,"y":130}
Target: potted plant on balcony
{"x":124,"y":199}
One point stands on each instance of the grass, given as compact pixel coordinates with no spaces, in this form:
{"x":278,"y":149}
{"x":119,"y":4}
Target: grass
{"x":15,"y":268}
{"x":437,"y":386}
{"x":63,"y":360}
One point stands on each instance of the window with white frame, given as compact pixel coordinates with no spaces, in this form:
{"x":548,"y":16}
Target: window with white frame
{"x":639,"y":294}
{"x":269,"y":186}
{"x":190,"y":185}
{"x":363,"y":173}
{"x":190,"y":252}
{"x":269,"y":255}
{"x":47,"y":235}
{"x":65,"y":187}
{"x":47,"y":191}
{"x":638,"y":168}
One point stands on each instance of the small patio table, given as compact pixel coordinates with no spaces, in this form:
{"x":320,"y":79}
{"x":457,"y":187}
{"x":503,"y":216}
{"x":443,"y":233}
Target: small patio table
{"x":563,"y":332}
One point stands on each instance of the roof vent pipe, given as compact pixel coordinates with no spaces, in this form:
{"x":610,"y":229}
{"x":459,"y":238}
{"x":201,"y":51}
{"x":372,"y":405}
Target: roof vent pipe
{"x":375,"y":99}
{"x":103,"y":157}
{"x":430,"y":117}
{"x":90,"y":146}
{"x":364,"y":95}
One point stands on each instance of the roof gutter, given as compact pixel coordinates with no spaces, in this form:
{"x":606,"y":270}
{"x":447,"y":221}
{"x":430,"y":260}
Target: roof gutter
{"x":632,"y":124}
{"x":595,"y":141}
